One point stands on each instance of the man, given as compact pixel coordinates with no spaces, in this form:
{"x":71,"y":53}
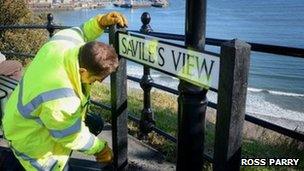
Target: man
{"x":44,"y":117}
{"x":10,"y":68}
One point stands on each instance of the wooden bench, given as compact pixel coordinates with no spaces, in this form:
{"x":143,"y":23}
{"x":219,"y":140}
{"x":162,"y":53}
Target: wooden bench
{"x":7,"y":85}
{"x":3,"y":95}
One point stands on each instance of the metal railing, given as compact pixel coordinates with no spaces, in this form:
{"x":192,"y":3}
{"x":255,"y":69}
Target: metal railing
{"x":147,"y":122}
{"x":257,"y":47}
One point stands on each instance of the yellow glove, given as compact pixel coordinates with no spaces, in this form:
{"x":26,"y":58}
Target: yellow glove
{"x":112,"y":18}
{"x":105,"y":156}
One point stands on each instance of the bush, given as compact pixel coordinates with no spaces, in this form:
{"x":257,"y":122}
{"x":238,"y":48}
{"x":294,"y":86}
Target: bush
{"x":28,"y":41}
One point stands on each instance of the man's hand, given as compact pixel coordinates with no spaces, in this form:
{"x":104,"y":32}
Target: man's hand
{"x":111,"y":19}
{"x":105,"y":156}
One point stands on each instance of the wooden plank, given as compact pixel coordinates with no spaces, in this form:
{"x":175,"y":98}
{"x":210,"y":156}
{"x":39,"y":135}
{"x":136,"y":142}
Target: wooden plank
{"x":234,"y":68}
{"x":119,"y":110}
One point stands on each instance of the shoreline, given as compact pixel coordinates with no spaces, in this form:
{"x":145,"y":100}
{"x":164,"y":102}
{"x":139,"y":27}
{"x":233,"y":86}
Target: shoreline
{"x":93,"y":5}
{"x":264,"y":108}
{"x":257,"y":141}
{"x":294,"y":125}
{"x":66,"y":7}
{"x":287,"y":123}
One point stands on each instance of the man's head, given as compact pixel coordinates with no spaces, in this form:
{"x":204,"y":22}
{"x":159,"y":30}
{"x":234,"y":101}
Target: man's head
{"x":96,"y":60}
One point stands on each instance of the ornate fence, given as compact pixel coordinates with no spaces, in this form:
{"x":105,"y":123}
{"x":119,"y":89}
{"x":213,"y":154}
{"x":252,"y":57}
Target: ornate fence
{"x":234,"y":66}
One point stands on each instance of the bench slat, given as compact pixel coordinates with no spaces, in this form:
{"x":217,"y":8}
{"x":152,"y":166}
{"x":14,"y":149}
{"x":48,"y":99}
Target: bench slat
{"x":7,"y":85}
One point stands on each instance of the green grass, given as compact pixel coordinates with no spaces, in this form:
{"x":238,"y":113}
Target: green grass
{"x":268,"y":144}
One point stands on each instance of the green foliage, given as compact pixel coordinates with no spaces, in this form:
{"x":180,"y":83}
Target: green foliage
{"x":169,"y":149}
{"x":280,"y":148}
{"x":27,"y":41}
{"x":165,"y":110}
{"x":12,"y":11}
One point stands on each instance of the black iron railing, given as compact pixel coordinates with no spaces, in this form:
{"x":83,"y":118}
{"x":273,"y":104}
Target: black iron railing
{"x":147,"y":83}
{"x":257,"y":47}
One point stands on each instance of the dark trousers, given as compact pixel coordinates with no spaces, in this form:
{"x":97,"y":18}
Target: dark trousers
{"x":8,"y":161}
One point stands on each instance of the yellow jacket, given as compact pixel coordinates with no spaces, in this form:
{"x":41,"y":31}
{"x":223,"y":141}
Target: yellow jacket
{"x":43,"y":118}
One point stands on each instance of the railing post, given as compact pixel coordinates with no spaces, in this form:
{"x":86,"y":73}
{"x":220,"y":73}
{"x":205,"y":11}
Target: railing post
{"x":3,"y":95}
{"x":233,"y":80}
{"x":192,"y":101}
{"x":119,"y":109}
{"x":145,"y":19}
{"x":147,"y":121}
{"x":50,"y":24}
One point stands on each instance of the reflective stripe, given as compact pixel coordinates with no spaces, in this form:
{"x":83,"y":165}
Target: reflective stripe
{"x":68,"y":131}
{"x":89,"y":144}
{"x":39,"y":121}
{"x":32,"y":161}
{"x":67,"y":38}
{"x":27,"y":109}
{"x":83,"y":35}
{"x":78,"y":30}
{"x":48,"y":166}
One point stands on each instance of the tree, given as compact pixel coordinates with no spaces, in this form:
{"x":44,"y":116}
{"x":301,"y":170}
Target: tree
{"x":28,"y":41}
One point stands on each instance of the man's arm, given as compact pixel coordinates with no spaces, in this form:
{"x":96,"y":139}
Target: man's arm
{"x":91,"y":29}
{"x":64,"y":121}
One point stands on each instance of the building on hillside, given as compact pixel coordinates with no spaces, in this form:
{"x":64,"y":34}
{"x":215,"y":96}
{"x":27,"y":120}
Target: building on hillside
{"x":41,"y":4}
{"x":50,"y":1}
{"x":67,"y":1}
{"x":39,"y":1}
{"x":64,"y":4}
{"x":56,"y":1}
{"x":63,"y":1}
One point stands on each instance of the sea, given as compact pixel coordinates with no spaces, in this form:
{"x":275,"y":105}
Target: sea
{"x":276,"y":83}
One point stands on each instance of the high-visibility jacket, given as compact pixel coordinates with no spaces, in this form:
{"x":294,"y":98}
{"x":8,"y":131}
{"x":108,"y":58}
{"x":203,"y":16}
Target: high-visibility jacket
{"x":44,"y":117}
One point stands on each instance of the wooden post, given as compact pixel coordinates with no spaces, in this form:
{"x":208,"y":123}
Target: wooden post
{"x":3,"y":94}
{"x":233,"y":80}
{"x":50,"y":25}
{"x":119,"y":109}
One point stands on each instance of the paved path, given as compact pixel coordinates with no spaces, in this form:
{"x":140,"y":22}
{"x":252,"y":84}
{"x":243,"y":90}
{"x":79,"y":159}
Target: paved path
{"x":140,"y":156}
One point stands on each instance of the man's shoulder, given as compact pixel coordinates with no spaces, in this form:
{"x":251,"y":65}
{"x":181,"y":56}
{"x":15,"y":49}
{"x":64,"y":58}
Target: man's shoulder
{"x":71,"y":36}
